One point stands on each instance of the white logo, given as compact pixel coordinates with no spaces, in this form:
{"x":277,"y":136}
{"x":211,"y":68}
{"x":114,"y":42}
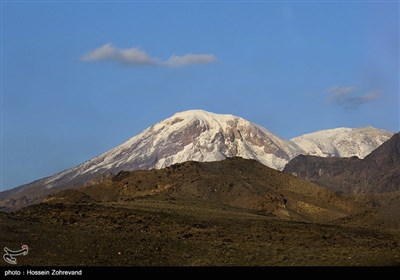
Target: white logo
{"x":10,"y":255}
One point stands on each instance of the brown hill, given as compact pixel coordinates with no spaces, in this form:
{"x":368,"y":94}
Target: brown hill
{"x":233,"y":212}
{"x":378,"y":172}
{"x":235,"y":182}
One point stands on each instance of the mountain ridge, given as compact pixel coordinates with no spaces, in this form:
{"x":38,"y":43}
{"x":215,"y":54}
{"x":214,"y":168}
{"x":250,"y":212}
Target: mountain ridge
{"x":237,"y":182}
{"x":194,"y":135}
{"x":342,"y":141}
{"x":377,"y":172}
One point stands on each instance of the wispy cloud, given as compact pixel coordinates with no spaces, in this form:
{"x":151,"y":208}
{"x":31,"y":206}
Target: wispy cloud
{"x":187,"y":59}
{"x":348,"y":97}
{"x":132,"y":56}
{"x":137,"y":57}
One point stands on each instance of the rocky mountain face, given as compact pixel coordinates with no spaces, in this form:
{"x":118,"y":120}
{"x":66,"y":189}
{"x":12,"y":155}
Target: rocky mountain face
{"x":377,"y":172}
{"x":342,"y":142}
{"x":234,"y":181}
{"x":191,"y":135}
{"x":202,"y":136}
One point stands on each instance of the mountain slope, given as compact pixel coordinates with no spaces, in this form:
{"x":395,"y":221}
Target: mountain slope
{"x":202,"y":136}
{"x":377,"y":172}
{"x":191,"y":135}
{"x":234,"y":181}
{"x":232,"y":212}
{"x":342,"y":142}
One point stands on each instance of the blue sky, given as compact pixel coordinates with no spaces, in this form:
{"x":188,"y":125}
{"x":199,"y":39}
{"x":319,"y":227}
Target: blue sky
{"x":79,"y":78}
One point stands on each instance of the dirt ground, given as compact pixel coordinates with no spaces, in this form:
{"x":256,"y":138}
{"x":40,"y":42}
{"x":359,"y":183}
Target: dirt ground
{"x":162,"y":231}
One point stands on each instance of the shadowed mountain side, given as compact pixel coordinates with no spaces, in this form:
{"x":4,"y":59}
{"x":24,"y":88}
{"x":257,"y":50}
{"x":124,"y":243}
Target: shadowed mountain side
{"x":323,"y":171}
{"x":235,"y":181}
{"x":35,"y":192}
{"x":376,"y":173}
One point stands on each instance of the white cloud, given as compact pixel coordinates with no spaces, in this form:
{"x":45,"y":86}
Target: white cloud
{"x":188,"y":59}
{"x":105,"y":52}
{"x":137,"y":57}
{"x":347,"y":97}
{"x":132,"y":56}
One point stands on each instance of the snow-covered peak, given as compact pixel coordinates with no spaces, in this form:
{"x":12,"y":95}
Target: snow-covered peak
{"x":194,"y":135}
{"x":198,"y":135}
{"x":182,"y":119}
{"x":204,"y":136}
{"x":343,"y":141}
{"x":204,"y":115}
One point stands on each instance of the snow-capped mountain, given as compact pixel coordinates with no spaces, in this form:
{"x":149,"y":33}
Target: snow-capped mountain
{"x":342,"y":142}
{"x":191,"y":135}
{"x":198,"y":136}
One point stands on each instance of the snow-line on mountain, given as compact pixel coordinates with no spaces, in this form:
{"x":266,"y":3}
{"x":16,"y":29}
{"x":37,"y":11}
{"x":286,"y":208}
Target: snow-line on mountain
{"x":378,"y":172}
{"x":194,"y":135}
{"x":342,"y":142}
{"x":198,"y":135}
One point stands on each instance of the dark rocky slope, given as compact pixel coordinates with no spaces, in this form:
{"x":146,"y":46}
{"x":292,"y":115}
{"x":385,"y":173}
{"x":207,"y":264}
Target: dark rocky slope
{"x":377,"y":173}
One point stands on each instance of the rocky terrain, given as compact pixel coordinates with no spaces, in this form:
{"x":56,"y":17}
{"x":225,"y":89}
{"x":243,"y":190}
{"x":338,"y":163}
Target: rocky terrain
{"x":198,"y":135}
{"x":191,"y":135}
{"x":232,"y":212}
{"x":175,"y":232}
{"x":376,"y":173}
{"x":197,"y":189}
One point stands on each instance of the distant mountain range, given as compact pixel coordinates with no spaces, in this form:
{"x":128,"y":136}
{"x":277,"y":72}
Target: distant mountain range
{"x":377,"y":172}
{"x":202,"y":136}
{"x":342,"y":142}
